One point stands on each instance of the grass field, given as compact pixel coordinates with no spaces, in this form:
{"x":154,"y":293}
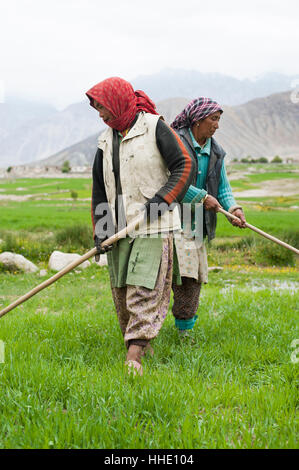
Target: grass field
{"x":233,"y":384}
{"x":47,"y":186}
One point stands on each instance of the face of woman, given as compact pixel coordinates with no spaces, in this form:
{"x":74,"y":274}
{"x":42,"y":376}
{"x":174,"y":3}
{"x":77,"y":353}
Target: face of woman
{"x":208,"y":126}
{"x":104,"y":113}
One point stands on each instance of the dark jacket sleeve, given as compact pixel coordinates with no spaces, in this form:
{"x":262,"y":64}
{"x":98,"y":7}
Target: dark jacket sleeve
{"x":179,"y":163}
{"x":98,"y":188}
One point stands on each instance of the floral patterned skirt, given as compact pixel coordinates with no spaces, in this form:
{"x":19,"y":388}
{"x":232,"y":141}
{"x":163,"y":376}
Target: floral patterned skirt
{"x":142,"y":311}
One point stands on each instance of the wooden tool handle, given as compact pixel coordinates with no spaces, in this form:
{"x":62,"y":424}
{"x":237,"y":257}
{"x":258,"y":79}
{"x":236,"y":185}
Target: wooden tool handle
{"x":121,"y":234}
{"x":260,"y":232}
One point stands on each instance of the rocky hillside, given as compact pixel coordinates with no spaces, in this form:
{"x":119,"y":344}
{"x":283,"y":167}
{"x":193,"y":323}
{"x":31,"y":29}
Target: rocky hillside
{"x":30,"y":131}
{"x":80,"y":154}
{"x":262,"y":127}
{"x":14,"y":112}
{"x":39,"y":138}
{"x":83,"y":152}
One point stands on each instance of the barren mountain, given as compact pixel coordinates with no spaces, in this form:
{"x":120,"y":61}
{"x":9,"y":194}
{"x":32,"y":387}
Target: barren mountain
{"x":15,"y":112}
{"x":83,"y":152}
{"x":39,"y":138}
{"x":30,"y":131}
{"x":80,"y":154}
{"x":263,"y":127}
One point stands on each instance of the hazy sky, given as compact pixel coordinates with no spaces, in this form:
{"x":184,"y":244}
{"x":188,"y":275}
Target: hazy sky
{"x":54,"y":50}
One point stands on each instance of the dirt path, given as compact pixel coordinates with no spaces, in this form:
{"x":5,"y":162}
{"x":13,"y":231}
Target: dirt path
{"x":276,"y":188}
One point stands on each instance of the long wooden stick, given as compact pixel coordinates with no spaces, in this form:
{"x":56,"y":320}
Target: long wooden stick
{"x":121,"y":234}
{"x":260,"y":232}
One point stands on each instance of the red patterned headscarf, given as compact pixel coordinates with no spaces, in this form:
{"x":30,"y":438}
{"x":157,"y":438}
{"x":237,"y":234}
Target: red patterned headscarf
{"x":196,"y":110}
{"x":119,"y":97}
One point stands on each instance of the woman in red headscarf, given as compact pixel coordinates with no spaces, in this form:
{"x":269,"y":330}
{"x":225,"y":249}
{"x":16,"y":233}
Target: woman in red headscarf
{"x":140,"y":164}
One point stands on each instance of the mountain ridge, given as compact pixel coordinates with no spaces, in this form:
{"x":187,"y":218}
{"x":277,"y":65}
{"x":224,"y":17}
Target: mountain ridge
{"x":263,"y":127}
{"x":51,"y":131}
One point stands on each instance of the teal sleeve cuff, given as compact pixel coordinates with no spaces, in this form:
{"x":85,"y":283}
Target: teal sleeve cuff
{"x":194,"y":194}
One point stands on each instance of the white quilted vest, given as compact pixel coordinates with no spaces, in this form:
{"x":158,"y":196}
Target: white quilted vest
{"x":142,"y":173}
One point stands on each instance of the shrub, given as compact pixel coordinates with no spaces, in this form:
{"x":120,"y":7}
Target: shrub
{"x":74,"y":195}
{"x":254,"y":250}
{"x":271,"y":253}
{"x":9,"y":269}
{"x":35,"y":248}
{"x":276,"y":159}
{"x":66,"y":167}
{"x":74,"y":237}
{"x":39,"y":246}
{"x":238,"y":243}
{"x":262,"y":160}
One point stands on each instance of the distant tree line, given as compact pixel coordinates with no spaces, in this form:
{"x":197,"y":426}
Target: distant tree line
{"x":249,"y":159}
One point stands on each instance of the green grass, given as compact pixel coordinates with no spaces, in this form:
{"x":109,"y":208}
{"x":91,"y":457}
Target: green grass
{"x":268,"y":221}
{"x":256,"y":174}
{"x":34,"y":186}
{"x":262,"y":167}
{"x":233,"y":386}
{"x":43,"y":215}
{"x":272,"y":203}
{"x":260,"y":177}
{"x":63,"y":384}
{"x":35,"y":232}
{"x":252,"y":181}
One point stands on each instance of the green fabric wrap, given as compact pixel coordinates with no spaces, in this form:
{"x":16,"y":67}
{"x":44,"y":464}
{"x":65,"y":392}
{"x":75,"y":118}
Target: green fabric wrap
{"x":194,"y":195}
{"x":136,"y":262}
{"x":185,"y":324}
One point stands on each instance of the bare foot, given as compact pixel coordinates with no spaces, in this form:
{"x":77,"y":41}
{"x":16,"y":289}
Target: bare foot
{"x":133,"y":359}
{"x":134,"y":367}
